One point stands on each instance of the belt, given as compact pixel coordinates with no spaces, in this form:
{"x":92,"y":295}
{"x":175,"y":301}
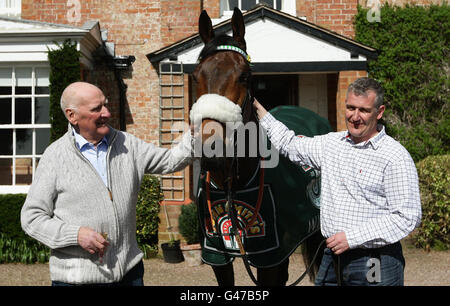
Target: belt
{"x":389,"y":249}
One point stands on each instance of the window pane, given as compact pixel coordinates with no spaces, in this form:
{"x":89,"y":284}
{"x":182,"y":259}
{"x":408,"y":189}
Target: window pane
{"x":5,"y":90}
{"x":268,"y":2}
{"x":6,"y":77}
{"x":5,"y":81}
{"x":5,"y":111}
{"x":41,"y":112}
{"x":23,"y":111}
{"x":6,"y":171}
{"x":24,"y":141}
{"x":23,"y":81}
{"x":42,"y":77}
{"x":279,"y":5}
{"x":6,"y":142}
{"x":24,"y":171}
{"x":42,"y":90}
{"x":228,"y":5}
{"x":23,"y":76}
{"x":42,"y":81}
{"x":42,"y":140}
{"x":248,"y":4}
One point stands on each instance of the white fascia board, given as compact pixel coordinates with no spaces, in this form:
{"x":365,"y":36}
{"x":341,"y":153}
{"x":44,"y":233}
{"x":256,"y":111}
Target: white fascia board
{"x":269,"y":41}
{"x":29,"y":41}
{"x":31,"y":51}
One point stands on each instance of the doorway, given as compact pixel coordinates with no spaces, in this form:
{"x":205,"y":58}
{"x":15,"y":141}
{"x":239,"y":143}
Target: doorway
{"x":275,"y":90}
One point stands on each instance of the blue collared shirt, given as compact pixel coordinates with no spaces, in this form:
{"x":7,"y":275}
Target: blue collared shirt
{"x":95,"y":155}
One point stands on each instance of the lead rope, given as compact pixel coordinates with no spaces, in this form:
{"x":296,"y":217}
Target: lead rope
{"x":229,"y":206}
{"x":308,"y":269}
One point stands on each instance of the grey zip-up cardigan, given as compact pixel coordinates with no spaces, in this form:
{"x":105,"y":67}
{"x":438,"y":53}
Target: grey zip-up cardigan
{"x":67,"y":193}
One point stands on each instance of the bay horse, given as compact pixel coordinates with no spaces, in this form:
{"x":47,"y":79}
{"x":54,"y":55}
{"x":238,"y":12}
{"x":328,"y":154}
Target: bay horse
{"x":243,"y":207}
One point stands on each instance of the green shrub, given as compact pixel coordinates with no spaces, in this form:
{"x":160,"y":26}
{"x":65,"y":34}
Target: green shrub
{"x":188,"y":223}
{"x":22,"y":250}
{"x":413,"y":65}
{"x":64,"y":70}
{"x":147,"y":211}
{"x":10,"y":206}
{"x":434,"y":180}
{"x":15,"y":245}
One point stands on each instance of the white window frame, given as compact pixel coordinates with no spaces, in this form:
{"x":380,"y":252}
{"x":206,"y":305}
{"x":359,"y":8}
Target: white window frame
{"x":15,"y":188}
{"x":289,"y":7}
{"x":11,"y":8}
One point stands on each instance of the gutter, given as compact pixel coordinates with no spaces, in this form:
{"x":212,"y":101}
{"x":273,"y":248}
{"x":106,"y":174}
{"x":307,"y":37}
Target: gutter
{"x":118,"y":64}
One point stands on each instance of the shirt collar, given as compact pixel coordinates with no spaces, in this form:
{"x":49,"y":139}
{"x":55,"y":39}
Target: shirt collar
{"x":374,"y":141}
{"x":81,"y":141}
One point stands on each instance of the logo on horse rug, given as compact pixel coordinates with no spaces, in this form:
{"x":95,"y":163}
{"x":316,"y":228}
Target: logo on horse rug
{"x":257,"y":228}
{"x":245,"y":214}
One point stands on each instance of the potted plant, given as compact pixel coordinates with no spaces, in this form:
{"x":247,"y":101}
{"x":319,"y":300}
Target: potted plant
{"x":171,"y":251}
{"x":189,"y":228}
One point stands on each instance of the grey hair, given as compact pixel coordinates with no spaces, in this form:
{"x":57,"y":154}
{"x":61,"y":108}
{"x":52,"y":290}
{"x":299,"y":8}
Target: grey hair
{"x":68,"y":100}
{"x":363,"y":85}
{"x":66,"y":104}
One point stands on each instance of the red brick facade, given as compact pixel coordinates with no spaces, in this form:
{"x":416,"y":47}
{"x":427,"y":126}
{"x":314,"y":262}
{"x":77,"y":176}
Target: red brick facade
{"x":335,"y":15}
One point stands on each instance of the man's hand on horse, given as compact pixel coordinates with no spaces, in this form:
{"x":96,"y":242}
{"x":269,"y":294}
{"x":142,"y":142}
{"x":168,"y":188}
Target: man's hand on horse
{"x":260,"y":110}
{"x":338,"y":243}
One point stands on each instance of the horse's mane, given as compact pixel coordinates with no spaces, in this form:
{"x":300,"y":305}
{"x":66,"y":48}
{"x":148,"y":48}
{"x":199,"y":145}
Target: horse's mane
{"x":211,"y":46}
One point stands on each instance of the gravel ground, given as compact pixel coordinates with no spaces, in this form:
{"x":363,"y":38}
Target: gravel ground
{"x":422,"y":269}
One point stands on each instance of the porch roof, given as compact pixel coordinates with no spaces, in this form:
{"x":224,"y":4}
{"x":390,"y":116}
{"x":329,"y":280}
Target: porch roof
{"x":278,"y":42}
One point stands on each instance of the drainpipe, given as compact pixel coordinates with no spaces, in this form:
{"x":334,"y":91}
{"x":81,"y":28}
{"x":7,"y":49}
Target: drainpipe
{"x":119,"y":64}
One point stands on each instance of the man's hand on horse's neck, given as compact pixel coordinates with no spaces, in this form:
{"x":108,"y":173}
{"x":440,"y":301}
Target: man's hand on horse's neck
{"x":260,"y":110}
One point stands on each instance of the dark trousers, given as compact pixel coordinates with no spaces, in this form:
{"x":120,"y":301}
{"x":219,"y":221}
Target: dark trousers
{"x":363,"y":267}
{"x":134,"y":277}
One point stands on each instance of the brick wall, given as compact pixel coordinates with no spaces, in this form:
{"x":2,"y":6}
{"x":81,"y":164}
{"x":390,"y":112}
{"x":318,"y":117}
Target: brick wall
{"x":335,"y":15}
{"x":344,"y":80}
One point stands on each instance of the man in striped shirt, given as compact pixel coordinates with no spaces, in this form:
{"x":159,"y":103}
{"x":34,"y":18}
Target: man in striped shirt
{"x":370,"y":193}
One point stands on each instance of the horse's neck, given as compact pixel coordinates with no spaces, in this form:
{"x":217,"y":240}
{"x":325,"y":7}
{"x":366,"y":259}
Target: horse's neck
{"x":244,"y":170}
{"x":247,"y":170}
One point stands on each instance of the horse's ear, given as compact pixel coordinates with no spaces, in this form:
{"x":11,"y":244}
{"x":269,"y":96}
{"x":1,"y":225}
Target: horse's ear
{"x":238,"y":26}
{"x":205,"y":27}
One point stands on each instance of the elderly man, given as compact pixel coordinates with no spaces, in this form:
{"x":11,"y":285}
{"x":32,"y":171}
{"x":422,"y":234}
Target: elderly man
{"x":370,"y":193}
{"x":82,"y":202}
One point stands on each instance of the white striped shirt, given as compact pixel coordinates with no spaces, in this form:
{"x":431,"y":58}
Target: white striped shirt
{"x":370,"y":190}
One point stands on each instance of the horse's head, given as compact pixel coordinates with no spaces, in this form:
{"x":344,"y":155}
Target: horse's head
{"x":223,"y":87}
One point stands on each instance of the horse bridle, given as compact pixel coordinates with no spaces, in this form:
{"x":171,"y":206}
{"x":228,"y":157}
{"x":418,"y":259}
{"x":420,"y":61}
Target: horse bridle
{"x":234,"y":168}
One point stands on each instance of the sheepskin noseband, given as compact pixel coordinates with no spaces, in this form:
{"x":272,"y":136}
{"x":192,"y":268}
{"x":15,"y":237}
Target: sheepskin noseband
{"x":216,"y":107}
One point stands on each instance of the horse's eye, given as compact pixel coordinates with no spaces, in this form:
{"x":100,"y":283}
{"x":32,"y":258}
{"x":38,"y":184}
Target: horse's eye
{"x":244,"y":78}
